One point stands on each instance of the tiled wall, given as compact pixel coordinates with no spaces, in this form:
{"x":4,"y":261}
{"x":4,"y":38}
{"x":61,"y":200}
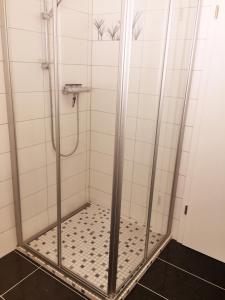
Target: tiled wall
{"x":37,"y":167}
{"x":7,"y":220}
{"x":75,"y":60}
{"x":145,"y":76}
{"x":142,"y":105}
{"x":105,"y":53}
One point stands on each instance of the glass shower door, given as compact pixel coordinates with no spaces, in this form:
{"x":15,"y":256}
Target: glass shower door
{"x":31,"y":115}
{"x":174,"y":100}
{"x":89,"y":55}
{"x":146,"y":71}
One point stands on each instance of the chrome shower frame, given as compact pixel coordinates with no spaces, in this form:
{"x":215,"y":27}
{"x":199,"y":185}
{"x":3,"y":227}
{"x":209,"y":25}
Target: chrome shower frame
{"x":118,"y":167}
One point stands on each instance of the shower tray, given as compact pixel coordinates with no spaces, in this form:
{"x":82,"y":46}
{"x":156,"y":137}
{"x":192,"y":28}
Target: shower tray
{"x":85,"y":245}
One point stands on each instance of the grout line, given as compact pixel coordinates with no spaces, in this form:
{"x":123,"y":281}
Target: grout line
{"x":147,"y":288}
{"x":56,"y":279}
{"x":18,"y":283}
{"x":29,"y":260}
{"x":196,"y":276}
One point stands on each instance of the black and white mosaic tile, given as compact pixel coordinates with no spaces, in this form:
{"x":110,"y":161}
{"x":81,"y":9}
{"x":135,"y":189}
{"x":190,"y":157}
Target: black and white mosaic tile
{"x":85,"y":245}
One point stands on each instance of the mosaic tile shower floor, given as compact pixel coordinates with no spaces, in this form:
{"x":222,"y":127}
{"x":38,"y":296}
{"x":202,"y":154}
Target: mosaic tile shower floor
{"x":85,"y":245}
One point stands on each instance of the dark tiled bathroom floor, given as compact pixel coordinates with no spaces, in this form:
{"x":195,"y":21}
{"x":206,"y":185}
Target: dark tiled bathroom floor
{"x":179,"y":273}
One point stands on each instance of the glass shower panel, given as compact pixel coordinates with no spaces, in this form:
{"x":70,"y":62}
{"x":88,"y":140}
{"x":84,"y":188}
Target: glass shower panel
{"x":147,"y":50}
{"x":30,"y":95}
{"x":89,"y":54}
{"x":179,"y":53}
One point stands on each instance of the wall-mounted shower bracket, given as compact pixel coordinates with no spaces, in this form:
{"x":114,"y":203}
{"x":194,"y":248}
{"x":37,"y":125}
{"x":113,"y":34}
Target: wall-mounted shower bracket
{"x":46,"y":16}
{"x":45,"y":65}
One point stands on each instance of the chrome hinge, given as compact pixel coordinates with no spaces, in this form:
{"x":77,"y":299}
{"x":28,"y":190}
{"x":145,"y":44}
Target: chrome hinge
{"x":45,"y":66}
{"x":186,"y":210}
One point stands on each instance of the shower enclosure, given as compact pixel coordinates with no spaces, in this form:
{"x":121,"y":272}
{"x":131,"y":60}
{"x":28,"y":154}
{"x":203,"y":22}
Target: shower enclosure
{"x":97,"y":94}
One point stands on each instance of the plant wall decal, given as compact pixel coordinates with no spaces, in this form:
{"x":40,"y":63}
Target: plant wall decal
{"x":113,"y":32}
{"x":99,"y":24}
{"x":136,"y":30}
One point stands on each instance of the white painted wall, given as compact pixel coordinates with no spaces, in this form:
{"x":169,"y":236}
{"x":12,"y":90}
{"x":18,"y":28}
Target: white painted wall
{"x":203,"y":227}
{"x":200,"y":71}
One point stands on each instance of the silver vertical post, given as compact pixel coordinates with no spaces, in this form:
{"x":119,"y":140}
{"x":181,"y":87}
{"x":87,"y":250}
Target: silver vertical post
{"x":158,"y":126}
{"x":57,"y":129}
{"x":11,"y":121}
{"x":183,"y":120}
{"x":122,"y":95}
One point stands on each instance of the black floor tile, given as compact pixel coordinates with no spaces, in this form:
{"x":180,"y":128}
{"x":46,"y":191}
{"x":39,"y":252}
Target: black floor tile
{"x":195,"y":262}
{"x":41,"y":286}
{"x":141,"y":293}
{"x":27,"y":258}
{"x":175,"y":284}
{"x":13,"y":268}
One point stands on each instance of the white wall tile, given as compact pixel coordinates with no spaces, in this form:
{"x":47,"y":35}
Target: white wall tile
{"x":74,"y":51}
{"x":33,"y":205}
{"x":4,"y":138}
{"x":35,"y":225}
{"x":1,"y":54}
{"x":175,"y":83}
{"x":79,"y":5}
{"x":103,"y":122}
{"x":30,"y":133}
{"x":143,"y":153}
{"x":104,"y":100}
{"x":5,"y":166}
{"x":25,"y":46}
{"x":29,"y":106}
{"x":2,"y":79}
{"x":140,"y":195}
{"x":152,"y":54}
{"x":105,"y":53}
{"x":6,"y":193}
{"x":7,"y":219}
{"x":102,"y":162}
{"x":148,"y":106}
{"x":74,"y":165}
{"x":104,"y":77}
{"x":149,"y":81}
{"x":3,"y":109}
{"x":145,"y":130}
{"x":74,"y":74}
{"x":141,"y":174}
{"x":24,"y":14}
{"x":33,"y":182}
{"x":107,"y":6}
{"x":72,"y":22}
{"x":8,"y":241}
{"x":32,"y":79}
{"x":73,"y":185}
{"x":31,"y":158}
{"x":102,"y":142}
{"x":73,"y":203}
{"x":154,"y":25}
{"x":101,"y":181}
